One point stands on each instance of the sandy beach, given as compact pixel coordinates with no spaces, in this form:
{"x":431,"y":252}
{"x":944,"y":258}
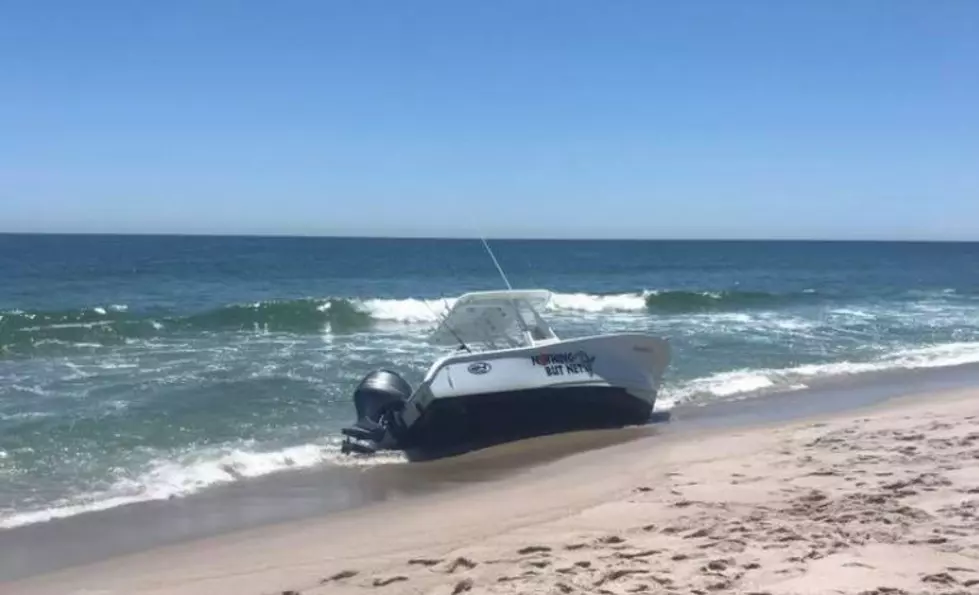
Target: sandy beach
{"x":882,"y":500}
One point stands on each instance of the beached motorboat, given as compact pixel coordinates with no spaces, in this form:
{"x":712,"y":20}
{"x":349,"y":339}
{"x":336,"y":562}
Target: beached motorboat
{"x":510,"y":377}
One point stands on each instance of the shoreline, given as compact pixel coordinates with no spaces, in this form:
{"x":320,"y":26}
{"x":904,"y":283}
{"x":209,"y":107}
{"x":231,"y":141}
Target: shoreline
{"x":614,"y":494}
{"x":312,"y":494}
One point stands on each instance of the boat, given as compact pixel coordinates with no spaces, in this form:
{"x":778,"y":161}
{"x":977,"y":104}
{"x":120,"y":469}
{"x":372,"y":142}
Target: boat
{"x":508,"y":377}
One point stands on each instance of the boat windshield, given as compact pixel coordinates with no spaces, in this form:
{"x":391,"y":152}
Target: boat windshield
{"x":495,"y":320}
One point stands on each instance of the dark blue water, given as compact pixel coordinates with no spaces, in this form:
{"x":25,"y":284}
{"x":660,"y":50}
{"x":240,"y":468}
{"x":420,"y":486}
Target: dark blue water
{"x":135,"y":368}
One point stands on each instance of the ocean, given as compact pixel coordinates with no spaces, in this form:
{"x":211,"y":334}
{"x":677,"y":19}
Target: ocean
{"x":140,"y":368}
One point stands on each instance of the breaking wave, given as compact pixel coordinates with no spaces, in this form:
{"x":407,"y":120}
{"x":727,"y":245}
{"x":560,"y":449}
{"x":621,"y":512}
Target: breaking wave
{"x":167,"y":477}
{"x":676,"y":301}
{"x":694,"y":301}
{"x":22,"y":331}
{"x":585,"y":302}
{"x":25,"y":331}
{"x":747,"y":382}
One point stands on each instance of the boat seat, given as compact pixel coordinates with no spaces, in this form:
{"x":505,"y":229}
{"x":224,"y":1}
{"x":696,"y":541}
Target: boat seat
{"x":538,"y":333}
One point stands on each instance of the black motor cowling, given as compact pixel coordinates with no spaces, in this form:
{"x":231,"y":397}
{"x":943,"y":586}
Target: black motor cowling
{"x":378,"y":392}
{"x":378,"y":396}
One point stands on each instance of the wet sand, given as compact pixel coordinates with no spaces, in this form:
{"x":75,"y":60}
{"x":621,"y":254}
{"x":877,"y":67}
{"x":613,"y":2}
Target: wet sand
{"x":880,"y":500}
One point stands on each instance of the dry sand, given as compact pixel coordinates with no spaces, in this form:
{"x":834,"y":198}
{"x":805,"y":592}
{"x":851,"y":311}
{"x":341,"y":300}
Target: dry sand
{"x":884,"y":501}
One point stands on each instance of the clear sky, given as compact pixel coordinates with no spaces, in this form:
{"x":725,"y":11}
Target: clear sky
{"x":652,"y":118}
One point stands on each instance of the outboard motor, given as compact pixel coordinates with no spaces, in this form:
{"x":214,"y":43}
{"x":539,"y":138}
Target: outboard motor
{"x":378,"y":397}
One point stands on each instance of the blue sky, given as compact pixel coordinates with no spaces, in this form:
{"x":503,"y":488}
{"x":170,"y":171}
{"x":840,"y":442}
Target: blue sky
{"x":723,"y":119}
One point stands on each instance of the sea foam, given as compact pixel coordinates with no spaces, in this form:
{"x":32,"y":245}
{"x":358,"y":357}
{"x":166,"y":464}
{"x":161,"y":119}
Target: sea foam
{"x":737,"y":383}
{"x":165,"y":477}
{"x":415,"y":310}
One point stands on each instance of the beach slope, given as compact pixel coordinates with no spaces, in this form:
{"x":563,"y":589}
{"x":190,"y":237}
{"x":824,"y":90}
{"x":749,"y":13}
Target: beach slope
{"x":882,"y":501}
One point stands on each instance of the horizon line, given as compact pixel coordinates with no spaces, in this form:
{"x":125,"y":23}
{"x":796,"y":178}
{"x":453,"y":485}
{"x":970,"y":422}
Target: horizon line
{"x":476,"y":237}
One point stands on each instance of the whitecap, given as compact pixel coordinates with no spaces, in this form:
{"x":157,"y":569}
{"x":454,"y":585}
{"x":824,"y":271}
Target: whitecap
{"x":410,"y":310}
{"x":591,"y":303}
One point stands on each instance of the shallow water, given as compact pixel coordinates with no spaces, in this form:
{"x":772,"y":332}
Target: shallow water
{"x":142,"y":368}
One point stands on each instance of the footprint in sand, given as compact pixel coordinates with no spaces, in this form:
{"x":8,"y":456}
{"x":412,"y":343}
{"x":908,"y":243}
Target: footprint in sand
{"x":857,"y":565}
{"x":697,"y":534}
{"x":719,"y":564}
{"x":508,"y":579}
{"x":533,"y":549}
{"x":460,"y":562}
{"x":824,"y":473}
{"x":639,"y":554}
{"x":385,"y":581}
{"x":614,"y":575}
{"x":339,"y":576}
{"x":719,"y":585}
{"x":941,"y":578}
{"x":462,"y":586}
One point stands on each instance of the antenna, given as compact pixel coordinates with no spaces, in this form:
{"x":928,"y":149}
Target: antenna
{"x":498,"y":267}
{"x":444,"y":319}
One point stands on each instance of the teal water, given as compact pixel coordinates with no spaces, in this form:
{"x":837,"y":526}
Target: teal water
{"x":140,"y":368}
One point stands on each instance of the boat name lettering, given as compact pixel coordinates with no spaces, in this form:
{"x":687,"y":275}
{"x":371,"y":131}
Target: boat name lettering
{"x":568,"y":357}
{"x":560,"y":364}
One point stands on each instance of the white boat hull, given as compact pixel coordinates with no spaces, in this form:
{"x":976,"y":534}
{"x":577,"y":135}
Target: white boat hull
{"x":629,"y":361}
{"x":472,"y":400}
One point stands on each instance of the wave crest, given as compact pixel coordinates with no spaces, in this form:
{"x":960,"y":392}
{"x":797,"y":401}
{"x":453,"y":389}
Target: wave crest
{"x":26,"y":331}
{"x":170,"y":477}
{"x":306,"y":315}
{"x":746,"y":382}
{"x":693,"y":301}
{"x":586,"y":302}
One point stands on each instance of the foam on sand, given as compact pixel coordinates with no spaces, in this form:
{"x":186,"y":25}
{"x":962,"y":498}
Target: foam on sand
{"x":168,"y":477}
{"x":742,"y":382}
